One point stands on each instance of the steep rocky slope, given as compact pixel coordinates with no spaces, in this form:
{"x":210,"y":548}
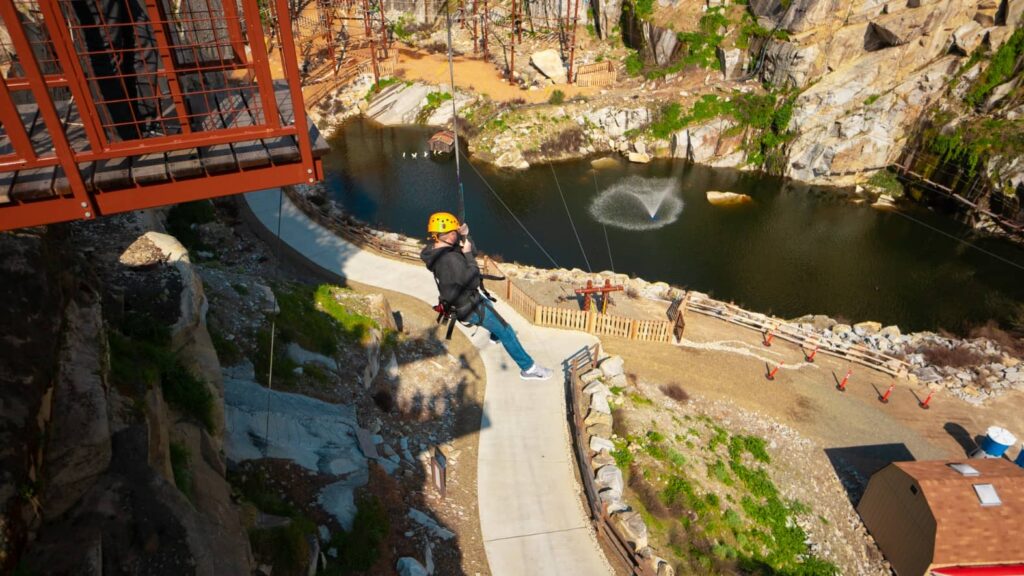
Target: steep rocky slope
{"x":112,"y":458}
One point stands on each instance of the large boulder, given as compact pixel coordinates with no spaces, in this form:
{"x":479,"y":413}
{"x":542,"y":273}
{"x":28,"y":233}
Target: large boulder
{"x":968,"y":36}
{"x":662,"y":43}
{"x":398,"y":104}
{"x":790,"y":64}
{"x":612,"y":366}
{"x":731,"y":62}
{"x":727,"y":198}
{"x":631,"y":526}
{"x":610,"y":478}
{"x":549,"y":62}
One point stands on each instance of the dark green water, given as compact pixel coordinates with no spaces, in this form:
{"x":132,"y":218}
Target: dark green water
{"x":793,"y":251}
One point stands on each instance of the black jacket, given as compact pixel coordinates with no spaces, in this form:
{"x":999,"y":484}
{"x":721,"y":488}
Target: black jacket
{"x":457,"y":276}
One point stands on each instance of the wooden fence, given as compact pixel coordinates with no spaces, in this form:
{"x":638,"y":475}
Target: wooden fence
{"x":610,"y":324}
{"x":596,"y":74}
{"x":612,"y":540}
{"x":806,"y":339}
{"x":590,"y":321}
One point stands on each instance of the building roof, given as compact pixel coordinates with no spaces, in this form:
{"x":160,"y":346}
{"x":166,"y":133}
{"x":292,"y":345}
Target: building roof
{"x":966,"y":532}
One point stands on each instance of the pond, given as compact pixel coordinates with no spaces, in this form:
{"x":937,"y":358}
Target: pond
{"x":793,"y":250}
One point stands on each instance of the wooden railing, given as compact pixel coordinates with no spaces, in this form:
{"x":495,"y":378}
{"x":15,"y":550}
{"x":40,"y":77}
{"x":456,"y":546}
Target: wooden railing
{"x":585,"y":321}
{"x":624,"y":555}
{"x":610,"y":324}
{"x":806,"y":339}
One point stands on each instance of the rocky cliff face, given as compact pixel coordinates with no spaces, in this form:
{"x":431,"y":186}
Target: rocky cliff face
{"x":867,"y":70}
{"x":88,"y":485}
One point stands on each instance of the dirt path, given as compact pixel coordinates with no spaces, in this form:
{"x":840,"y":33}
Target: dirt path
{"x":475,"y":75}
{"x":806,"y":398}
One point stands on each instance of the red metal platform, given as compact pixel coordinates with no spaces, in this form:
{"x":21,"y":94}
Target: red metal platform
{"x":115,"y":105}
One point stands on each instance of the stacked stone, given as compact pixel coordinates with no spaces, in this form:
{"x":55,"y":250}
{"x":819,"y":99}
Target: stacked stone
{"x":608,"y":478}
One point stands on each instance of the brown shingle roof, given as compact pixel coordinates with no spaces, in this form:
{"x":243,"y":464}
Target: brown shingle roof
{"x":967,"y":532}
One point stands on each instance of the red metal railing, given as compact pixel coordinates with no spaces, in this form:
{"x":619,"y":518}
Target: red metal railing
{"x":109,"y":105}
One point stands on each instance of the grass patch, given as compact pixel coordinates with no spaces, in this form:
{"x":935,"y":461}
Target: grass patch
{"x":872,"y":99}
{"x":434,"y":101}
{"x":640,"y":400}
{"x":622,"y":455}
{"x":887,"y":182}
{"x":182,"y":220}
{"x":557,"y":97}
{"x":180,"y":466}
{"x":634,"y":63}
{"x":720,"y":472}
{"x":355,"y":327}
{"x":382,"y":84}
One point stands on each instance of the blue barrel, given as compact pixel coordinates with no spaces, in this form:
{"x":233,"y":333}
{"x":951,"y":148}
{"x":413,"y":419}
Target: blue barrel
{"x":997,"y":441}
{"x":1020,"y":457}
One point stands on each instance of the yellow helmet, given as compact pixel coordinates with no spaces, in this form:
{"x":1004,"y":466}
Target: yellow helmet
{"x":442,"y":223}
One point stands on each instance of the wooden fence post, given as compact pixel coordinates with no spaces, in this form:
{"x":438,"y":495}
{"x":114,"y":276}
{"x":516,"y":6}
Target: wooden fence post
{"x":634,"y":329}
{"x":536,"y":314}
{"x":591,"y":316}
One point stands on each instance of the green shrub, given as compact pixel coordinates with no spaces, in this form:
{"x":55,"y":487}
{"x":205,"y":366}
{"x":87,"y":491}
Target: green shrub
{"x":434,"y":101}
{"x":186,"y":392}
{"x":887,"y":182}
{"x":622,"y":455}
{"x":643,"y":9}
{"x":228,"y":352}
{"x":137,"y":364}
{"x":380,"y":85}
{"x":180,"y":466}
{"x":359,"y":548}
{"x":634,"y":63}
{"x":1000,"y":70}
{"x":286,"y":548}
{"x":557,"y":97}
{"x":182,"y":219}
{"x":255,"y":488}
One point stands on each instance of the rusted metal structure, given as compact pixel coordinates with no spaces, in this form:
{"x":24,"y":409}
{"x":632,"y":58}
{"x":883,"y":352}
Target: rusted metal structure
{"x":115,"y":105}
{"x":590,"y":291}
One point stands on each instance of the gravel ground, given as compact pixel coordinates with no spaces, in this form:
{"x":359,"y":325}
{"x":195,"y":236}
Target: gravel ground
{"x":825,"y":443}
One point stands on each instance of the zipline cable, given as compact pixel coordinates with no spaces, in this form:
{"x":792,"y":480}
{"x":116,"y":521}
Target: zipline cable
{"x":569,"y":214}
{"x":455,"y":117}
{"x":605,"y":228}
{"x":511,"y":213}
{"x":960,"y":240}
{"x":273,"y":323}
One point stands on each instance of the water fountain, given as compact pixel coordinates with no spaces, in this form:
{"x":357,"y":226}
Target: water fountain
{"x":637,"y":203}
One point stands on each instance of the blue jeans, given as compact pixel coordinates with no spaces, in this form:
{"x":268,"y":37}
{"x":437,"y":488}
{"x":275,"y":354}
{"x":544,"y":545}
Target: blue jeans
{"x":487,"y":318}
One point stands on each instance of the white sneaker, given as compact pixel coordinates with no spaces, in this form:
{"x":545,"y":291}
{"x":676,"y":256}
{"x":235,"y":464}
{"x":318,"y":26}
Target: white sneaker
{"x":535,"y":372}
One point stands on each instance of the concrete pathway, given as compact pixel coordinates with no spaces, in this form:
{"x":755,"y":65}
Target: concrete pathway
{"x":530,"y":512}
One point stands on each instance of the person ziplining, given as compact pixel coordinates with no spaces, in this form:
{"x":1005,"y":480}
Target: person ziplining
{"x":451,"y":257}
